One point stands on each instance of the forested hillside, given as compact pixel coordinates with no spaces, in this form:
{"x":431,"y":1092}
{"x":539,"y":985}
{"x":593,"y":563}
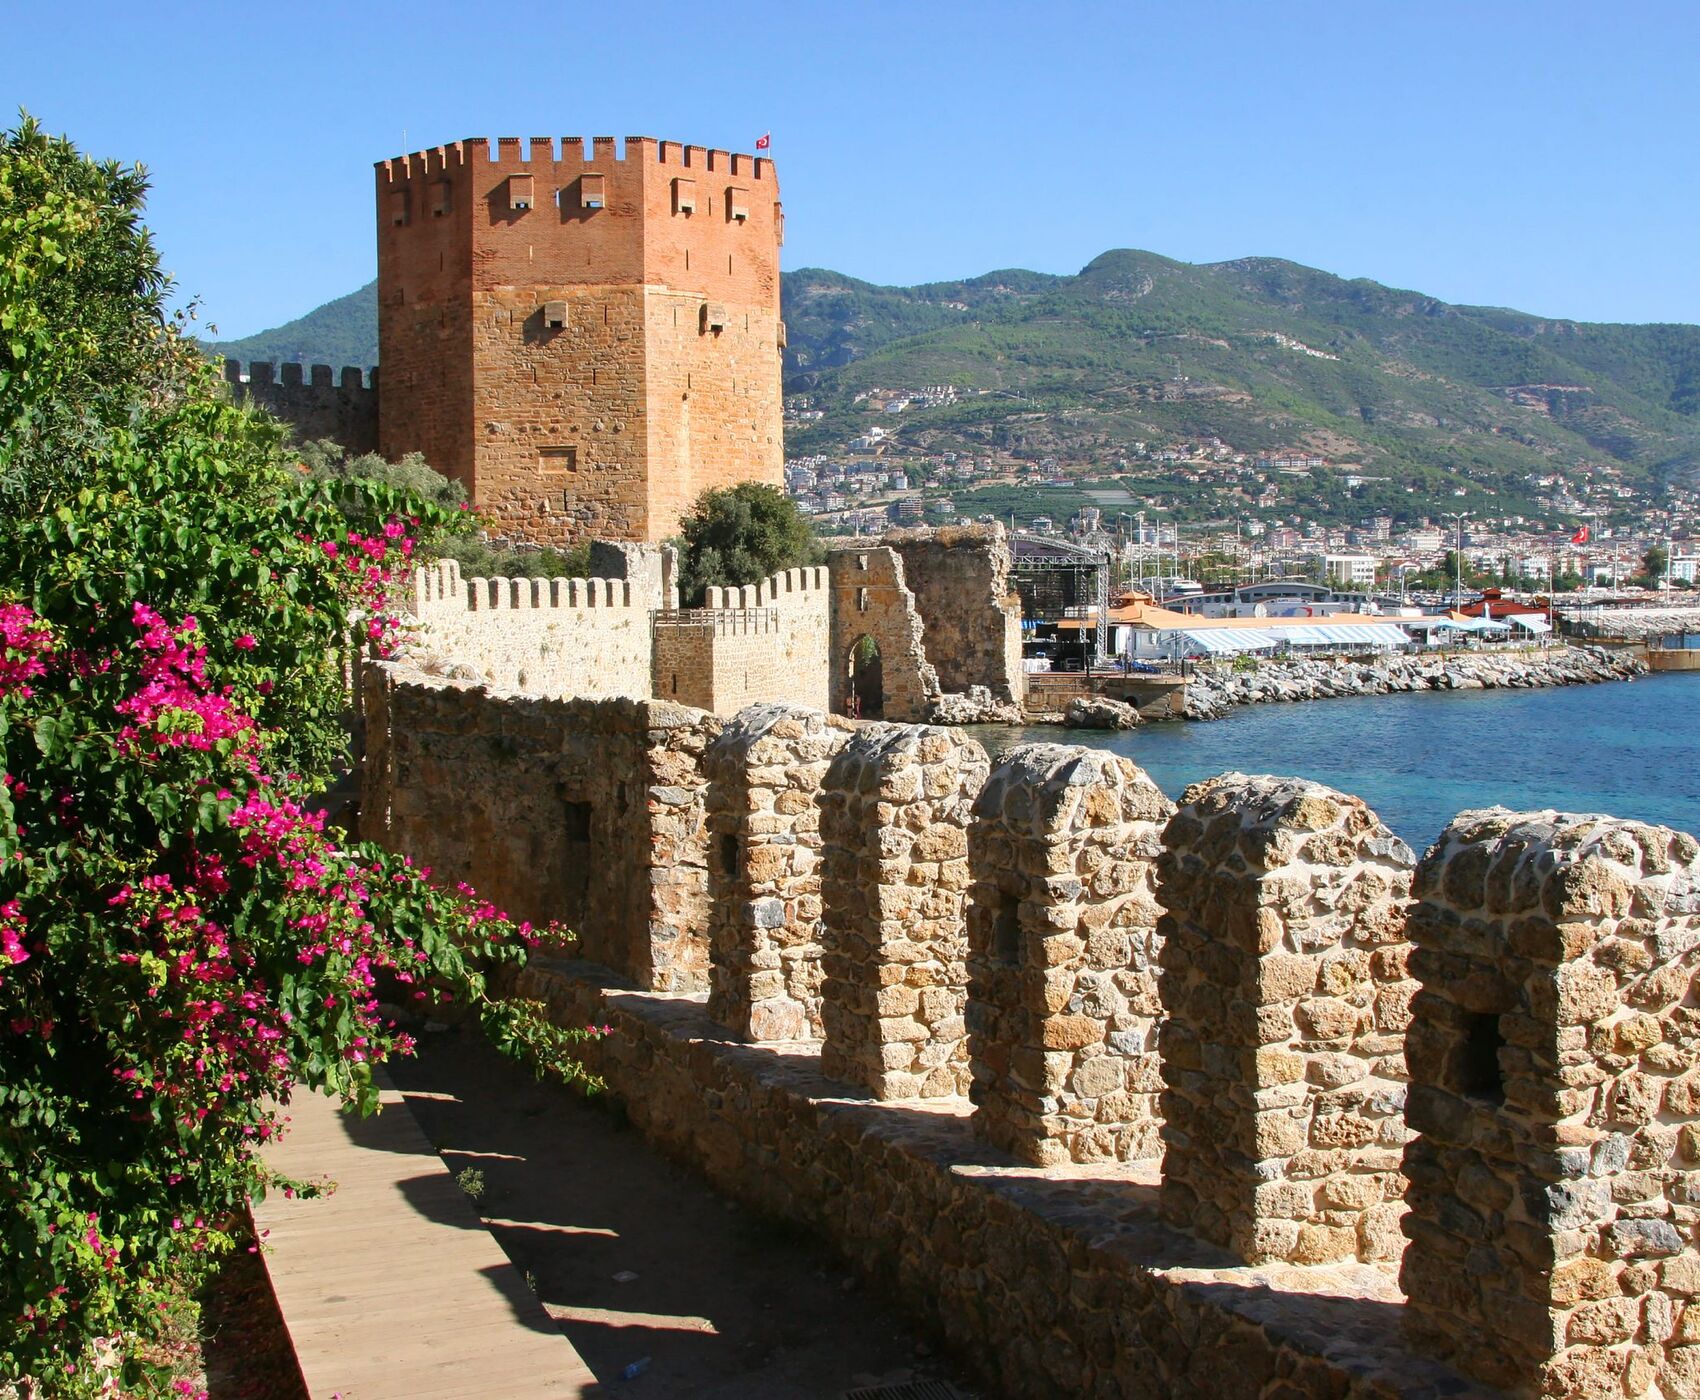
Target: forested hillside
{"x":1259,"y":353}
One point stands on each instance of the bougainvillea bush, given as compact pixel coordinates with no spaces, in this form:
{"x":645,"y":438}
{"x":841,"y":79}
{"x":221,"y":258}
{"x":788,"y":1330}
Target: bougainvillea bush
{"x":183,"y":943}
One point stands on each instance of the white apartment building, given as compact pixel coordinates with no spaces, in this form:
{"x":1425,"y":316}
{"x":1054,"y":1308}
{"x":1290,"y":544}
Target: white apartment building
{"x":1353,"y":570}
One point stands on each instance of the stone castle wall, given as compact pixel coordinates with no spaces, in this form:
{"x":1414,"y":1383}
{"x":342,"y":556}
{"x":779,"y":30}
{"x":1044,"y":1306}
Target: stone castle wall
{"x":895,"y":808}
{"x":1555,"y":1171}
{"x":1425,"y":1137}
{"x":563,"y":637}
{"x":320,"y":404}
{"x":871,"y":598}
{"x":765,"y":773}
{"x":1063,"y":955}
{"x":586,"y":813}
{"x":785,"y":640}
{"x":766,"y":642}
{"x":1285,"y":977}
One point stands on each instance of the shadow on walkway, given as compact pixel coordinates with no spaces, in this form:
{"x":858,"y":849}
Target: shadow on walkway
{"x":637,"y":1259}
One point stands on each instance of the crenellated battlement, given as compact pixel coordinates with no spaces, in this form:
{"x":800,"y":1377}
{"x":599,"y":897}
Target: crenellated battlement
{"x":538,"y":153}
{"x":317,"y":401}
{"x":784,"y":657}
{"x":772,"y":592}
{"x":290,"y":375}
{"x":1285,"y":1111}
{"x":555,"y":636}
{"x":439,"y":589}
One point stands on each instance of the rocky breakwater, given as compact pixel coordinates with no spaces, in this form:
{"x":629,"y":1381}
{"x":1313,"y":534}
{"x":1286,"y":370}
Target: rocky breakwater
{"x":1212,"y":692}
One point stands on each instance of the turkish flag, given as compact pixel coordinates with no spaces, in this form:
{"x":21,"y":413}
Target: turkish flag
{"x":1580,"y":537}
{"x":764,"y":140}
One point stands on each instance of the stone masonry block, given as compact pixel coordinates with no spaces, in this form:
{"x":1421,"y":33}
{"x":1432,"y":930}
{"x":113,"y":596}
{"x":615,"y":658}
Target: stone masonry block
{"x":1065,"y":837}
{"x":1277,"y":892}
{"x":1553,"y":1040}
{"x":894,"y":875}
{"x":764,"y":870}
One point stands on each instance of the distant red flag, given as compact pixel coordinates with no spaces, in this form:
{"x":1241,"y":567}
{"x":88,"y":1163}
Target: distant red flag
{"x":764,"y":140}
{"x":1580,"y":537}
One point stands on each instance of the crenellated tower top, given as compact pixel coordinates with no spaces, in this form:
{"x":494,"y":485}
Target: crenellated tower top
{"x":585,"y":333}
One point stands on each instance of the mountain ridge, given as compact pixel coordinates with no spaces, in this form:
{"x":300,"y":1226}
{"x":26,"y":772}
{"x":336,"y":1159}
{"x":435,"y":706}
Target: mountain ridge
{"x":1259,"y":352}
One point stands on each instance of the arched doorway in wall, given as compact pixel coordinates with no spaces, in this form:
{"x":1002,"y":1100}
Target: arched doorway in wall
{"x":865,"y":690}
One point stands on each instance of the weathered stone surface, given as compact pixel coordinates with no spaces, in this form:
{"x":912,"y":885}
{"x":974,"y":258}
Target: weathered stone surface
{"x":786,"y":639}
{"x":584,"y":813}
{"x":586,"y":638}
{"x":895,"y":807}
{"x":1553,"y":1184}
{"x":1065,"y":838}
{"x":764,"y":774}
{"x":871,"y":598}
{"x":1053,"y":1282}
{"x":1100,"y":712}
{"x":765,"y":643}
{"x":960,"y":577}
{"x":1548,"y":1142}
{"x":1277,"y":892}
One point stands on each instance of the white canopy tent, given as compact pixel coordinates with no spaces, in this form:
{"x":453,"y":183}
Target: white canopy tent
{"x":1216,"y":641}
{"x":1351,"y":634}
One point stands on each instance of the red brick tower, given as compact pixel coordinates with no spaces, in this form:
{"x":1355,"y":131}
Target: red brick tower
{"x":587,"y":344}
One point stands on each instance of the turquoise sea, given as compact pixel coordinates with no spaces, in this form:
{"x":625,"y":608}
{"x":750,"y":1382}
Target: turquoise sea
{"x":1631,"y":749}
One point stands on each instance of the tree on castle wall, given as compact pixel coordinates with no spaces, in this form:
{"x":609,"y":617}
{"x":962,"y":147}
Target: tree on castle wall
{"x":741,"y":534}
{"x":183,"y":942}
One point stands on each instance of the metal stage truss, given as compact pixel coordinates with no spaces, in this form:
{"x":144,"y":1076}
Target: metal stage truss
{"x":1056,"y":578}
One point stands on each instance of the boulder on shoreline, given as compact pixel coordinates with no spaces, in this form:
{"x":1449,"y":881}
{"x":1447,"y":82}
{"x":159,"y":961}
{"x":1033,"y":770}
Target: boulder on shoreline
{"x":977,"y":706}
{"x":1211,"y":693}
{"x":1100,"y":712}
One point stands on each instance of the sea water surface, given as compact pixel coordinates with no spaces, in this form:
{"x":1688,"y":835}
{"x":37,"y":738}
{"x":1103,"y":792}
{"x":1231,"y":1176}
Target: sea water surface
{"x":1627,"y":748}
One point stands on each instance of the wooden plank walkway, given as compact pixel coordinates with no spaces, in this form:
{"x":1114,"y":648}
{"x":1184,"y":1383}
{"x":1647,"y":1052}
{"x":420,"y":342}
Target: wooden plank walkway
{"x":391,"y":1286}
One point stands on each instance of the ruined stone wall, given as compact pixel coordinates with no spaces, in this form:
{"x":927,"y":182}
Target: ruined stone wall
{"x":1287,"y":994}
{"x":970,"y":614}
{"x":561,"y":637}
{"x":1555,"y":1181}
{"x":871,"y":598}
{"x":321,"y":405}
{"x":894,"y":823}
{"x":1062,"y":962}
{"x":588,"y":813}
{"x":765,"y":773}
{"x":786,"y":639}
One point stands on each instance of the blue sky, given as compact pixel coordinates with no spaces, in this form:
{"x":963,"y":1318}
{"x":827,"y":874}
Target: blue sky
{"x":1541,"y":156}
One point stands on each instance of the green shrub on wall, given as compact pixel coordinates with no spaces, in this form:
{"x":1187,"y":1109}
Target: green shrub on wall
{"x":739,"y":535}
